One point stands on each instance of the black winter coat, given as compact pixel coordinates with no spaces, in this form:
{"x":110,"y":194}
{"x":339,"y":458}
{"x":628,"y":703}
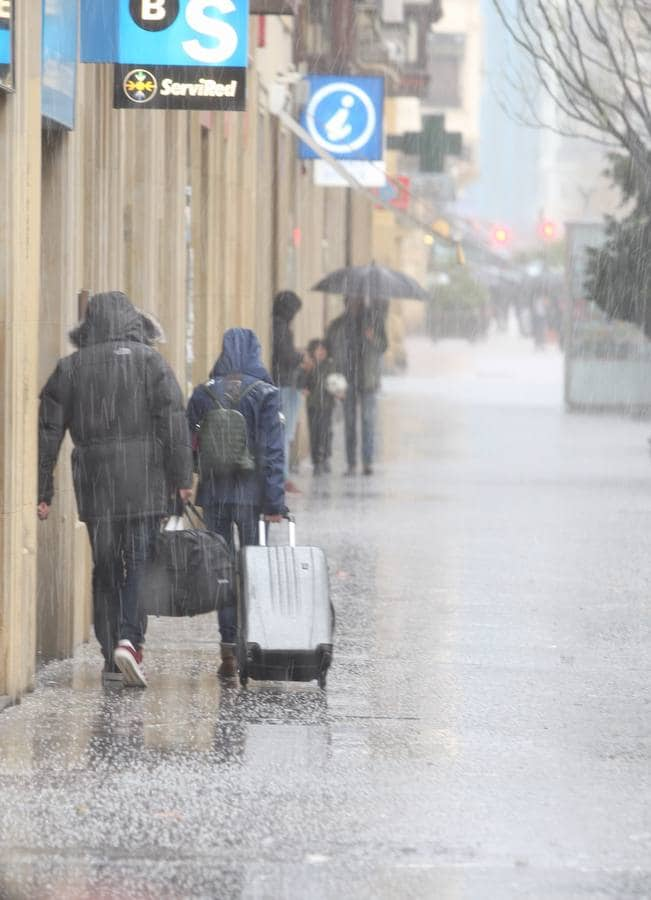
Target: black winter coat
{"x":123,"y":407}
{"x":285,"y":358}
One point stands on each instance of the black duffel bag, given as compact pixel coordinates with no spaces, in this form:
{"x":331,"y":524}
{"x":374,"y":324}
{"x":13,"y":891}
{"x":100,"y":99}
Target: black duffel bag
{"x":191,"y":573}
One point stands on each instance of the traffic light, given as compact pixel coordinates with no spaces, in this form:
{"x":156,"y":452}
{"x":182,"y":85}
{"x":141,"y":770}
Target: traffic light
{"x":501,"y":235}
{"x":548,"y":230}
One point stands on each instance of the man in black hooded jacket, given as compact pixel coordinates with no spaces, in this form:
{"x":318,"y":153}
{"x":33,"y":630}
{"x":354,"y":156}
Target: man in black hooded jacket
{"x":123,"y":407}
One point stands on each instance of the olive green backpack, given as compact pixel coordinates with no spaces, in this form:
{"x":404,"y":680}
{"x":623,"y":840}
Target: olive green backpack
{"x":223,"y":438}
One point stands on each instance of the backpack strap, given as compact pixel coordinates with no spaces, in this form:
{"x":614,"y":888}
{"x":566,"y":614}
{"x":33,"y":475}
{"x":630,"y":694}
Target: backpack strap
{"x":247,"y":390}
{"x":219,"y":403}
{"x":213,"y":395}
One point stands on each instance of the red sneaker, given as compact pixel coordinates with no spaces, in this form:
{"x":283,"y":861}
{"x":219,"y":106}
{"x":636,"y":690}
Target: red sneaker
{"x":129,"y":662}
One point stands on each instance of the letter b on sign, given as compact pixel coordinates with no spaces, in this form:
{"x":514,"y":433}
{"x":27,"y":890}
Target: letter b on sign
{"x":154,"y":15}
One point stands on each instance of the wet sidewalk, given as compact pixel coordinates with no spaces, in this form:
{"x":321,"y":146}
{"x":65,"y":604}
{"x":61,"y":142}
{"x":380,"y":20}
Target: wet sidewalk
{"x":485,"y":730}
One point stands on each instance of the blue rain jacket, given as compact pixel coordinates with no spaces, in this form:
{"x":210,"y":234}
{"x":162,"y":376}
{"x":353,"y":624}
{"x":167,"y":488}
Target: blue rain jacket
{"x":238,"y":366}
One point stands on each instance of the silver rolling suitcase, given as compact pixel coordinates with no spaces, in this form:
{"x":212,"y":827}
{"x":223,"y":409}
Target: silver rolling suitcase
{"x":285,"y":618}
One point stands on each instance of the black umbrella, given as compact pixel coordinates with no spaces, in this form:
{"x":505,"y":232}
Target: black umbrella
{"x":371,"y":282}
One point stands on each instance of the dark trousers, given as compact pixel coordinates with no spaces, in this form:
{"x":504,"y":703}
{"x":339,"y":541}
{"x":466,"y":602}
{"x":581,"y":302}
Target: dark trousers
{"x":320,"y":424}
{"x":220,"y":518}
{"x":366,"y":401}
{"x":120,"y":547}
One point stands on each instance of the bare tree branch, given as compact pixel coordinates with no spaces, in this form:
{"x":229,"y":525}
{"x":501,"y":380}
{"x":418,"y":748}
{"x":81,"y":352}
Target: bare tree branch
{"x":592,"y":58}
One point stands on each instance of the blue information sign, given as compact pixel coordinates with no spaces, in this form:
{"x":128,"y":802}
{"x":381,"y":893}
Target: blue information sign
{"x":344,"y":116}
{"x":59,"y":61}
{"x":166,"y":32}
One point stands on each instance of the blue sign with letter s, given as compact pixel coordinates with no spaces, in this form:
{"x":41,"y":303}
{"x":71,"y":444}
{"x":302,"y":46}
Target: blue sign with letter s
{"x":166,"y":32}
{"x":5,"y":32}
{"x":193,"y":32}
{"x":5,"y":46}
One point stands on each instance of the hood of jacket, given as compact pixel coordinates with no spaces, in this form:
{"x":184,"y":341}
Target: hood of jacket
{"x":286,"y":305}
{"x":241,"y":354}
{"x":111,"y":316}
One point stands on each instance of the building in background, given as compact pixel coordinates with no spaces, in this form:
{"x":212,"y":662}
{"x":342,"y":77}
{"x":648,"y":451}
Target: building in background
{"x":574,"y":185}
{"x":200,"y":216}
{"x":454,"y":68}
{"x":507,"y":189}
{"x":527,"y":174}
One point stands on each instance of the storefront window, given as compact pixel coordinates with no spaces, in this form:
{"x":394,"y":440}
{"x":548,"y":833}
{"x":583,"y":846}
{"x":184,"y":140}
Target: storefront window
{"x":447,"y":55}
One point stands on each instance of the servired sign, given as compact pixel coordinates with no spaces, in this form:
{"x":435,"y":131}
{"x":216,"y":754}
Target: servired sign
{"x":178,"y":87}
{"x":153,"y":40}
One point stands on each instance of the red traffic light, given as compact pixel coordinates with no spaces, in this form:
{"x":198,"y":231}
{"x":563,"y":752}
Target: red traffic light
{"x":548,"y":230}
{"x":501,"y":235}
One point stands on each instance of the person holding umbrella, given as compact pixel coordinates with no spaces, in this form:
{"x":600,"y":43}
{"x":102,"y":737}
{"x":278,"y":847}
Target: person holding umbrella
{"x":357,"y":341}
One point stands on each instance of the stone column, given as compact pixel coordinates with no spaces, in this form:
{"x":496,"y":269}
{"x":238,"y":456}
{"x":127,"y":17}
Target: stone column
{"x":63,"y":589}
{"x":20,"y":177}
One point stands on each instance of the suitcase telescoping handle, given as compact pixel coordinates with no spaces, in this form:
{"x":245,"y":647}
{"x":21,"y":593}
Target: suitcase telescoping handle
{"x":262,"y":530}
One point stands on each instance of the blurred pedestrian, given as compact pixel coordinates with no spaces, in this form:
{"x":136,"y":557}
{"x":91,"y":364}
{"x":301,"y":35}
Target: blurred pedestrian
{"x":316,"y":382}
{"x":357,"y":341}
{"x":539,"y":320}
{"x":123,"y":407}
{"x":285,"y":363}
{"x":239,"y":381}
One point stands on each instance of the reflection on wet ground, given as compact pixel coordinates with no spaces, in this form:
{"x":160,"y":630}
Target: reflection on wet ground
{"x":485,"y":728}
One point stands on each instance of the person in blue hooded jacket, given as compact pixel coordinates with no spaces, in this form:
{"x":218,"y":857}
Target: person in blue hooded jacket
{"x":240,"y":381}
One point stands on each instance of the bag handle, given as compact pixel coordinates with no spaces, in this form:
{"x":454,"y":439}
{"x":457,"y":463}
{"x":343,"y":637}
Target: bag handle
{"x":189,"y":510}
{"x":262,"y":530}
{"x":199,"y":519}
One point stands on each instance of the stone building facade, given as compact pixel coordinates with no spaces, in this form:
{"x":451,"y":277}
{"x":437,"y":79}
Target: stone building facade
{"x":199,"y":217}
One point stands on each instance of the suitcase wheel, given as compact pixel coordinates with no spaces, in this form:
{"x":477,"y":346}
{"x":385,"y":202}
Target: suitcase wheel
{"x":326,"y":660}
